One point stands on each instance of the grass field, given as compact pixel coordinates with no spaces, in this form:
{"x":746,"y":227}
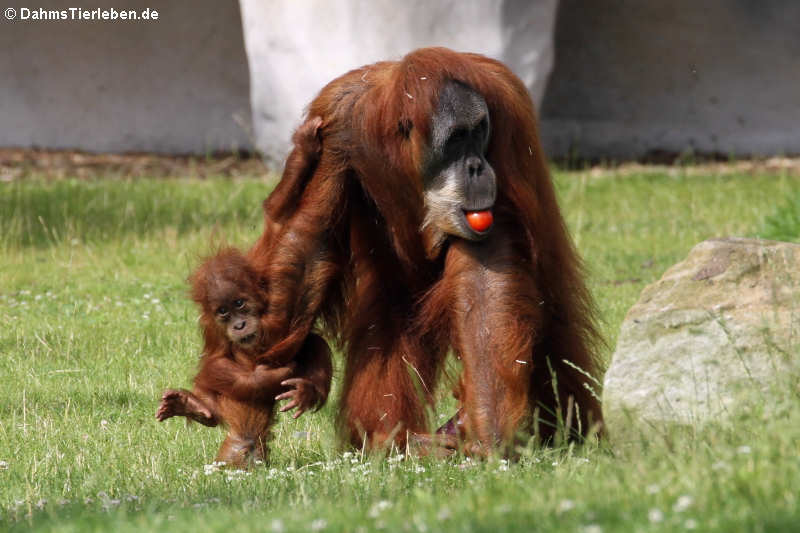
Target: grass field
{"x":95,"y":322}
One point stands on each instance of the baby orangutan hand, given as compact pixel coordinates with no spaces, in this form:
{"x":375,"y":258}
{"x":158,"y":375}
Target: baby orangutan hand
{"x":304,"y":396}
{"x":269,"y":379}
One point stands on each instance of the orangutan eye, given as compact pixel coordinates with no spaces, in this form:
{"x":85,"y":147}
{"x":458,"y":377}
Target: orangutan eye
{"x":238,"y":303}
{"x":458,"y":136}
{"x":222,"y":311}
{"x":483,"y":128}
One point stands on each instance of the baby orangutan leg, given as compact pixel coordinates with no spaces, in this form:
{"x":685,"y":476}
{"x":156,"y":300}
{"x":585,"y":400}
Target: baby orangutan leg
{"x":248,"y":432}
{"x":242,"y":452}
{"x":181,"y":402}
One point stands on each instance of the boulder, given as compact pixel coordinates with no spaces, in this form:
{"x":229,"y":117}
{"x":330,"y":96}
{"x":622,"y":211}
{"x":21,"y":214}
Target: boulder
{"x":710,"y":338}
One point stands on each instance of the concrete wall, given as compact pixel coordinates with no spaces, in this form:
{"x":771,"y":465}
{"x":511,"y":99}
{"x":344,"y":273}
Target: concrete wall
{"x":629,"y":77}
{"x":295,"y":48}
{"x":632,"y":77}
{"x":173,"y":85}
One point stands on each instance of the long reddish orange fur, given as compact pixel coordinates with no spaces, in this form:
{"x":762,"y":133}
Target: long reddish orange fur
{"x":343,"y":244}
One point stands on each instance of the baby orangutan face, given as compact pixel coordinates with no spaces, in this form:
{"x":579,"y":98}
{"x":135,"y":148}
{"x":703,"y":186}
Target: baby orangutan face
{"x":236,"y":314}
{"x":231,"y":297}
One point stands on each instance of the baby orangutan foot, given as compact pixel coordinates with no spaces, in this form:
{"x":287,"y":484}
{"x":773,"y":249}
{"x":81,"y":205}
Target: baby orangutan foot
{"x":181,"y":402}
{"x":303,"y":394}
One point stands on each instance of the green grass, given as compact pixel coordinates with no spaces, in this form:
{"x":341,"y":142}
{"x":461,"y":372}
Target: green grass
{"x":95,"y":322}
{"x":784,"y":224}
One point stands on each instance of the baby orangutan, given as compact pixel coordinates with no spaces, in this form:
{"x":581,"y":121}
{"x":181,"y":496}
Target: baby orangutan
{"x":234,"y":387}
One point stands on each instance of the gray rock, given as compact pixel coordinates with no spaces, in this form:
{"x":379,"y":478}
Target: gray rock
{"x":709,"y":338}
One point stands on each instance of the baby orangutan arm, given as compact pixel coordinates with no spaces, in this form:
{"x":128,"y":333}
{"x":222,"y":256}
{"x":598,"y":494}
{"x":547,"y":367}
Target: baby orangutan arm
{"x":312,"y":380}
{"x":229,"y":378}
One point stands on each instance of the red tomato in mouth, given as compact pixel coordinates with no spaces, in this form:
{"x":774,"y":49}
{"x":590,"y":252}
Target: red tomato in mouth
{"x":480,"y":221}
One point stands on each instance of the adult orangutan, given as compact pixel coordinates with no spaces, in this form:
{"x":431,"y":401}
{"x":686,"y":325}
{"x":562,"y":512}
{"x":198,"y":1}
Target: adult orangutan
{"x":426,"y":220}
